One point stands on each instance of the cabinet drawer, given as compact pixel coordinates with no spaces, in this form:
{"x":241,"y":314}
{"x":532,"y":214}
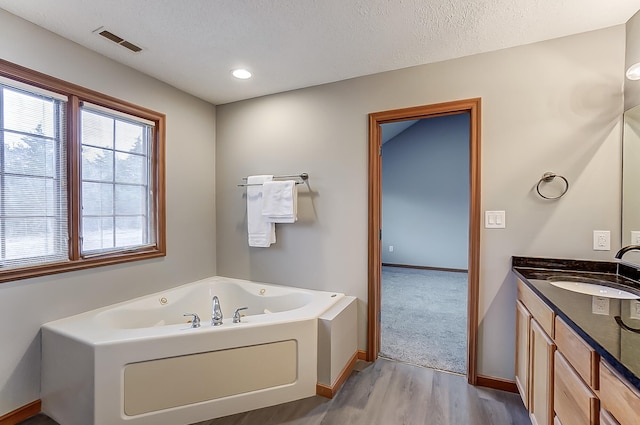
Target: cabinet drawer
{"x":607,"y":419}
{"x":538,"y":309}
{"x":573,"y":401}
{"x":618,"y":397}
{"x":582,"y":357}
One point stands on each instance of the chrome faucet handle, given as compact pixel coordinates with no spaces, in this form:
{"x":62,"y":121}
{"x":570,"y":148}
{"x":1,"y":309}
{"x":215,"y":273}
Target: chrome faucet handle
{"x":236,"y":314}
{"x":216,"y":314}
{"x":195,"y":322}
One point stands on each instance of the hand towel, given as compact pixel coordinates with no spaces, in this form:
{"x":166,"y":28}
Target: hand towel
{"x":261,"y":233}
{"x":280,"y":201}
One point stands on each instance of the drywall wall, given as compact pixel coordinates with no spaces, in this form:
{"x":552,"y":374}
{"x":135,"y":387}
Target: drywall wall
{"x":632,"y":55}
{"x":425,"y":194}
{"x":549,"y":106}
{"x":190,"y":160}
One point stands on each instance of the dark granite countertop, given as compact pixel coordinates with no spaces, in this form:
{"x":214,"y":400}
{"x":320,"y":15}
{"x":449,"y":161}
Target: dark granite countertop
{"x":617,"y":346}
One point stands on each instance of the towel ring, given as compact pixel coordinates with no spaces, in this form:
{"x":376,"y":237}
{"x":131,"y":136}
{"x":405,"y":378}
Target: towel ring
{"x":548,"y":178}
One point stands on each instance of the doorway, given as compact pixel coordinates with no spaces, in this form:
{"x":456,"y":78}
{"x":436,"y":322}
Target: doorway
{"x":425,"y":216}
{"x":472,"y":107}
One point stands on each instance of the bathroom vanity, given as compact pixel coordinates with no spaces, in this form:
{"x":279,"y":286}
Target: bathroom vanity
{"x":578,"y":352}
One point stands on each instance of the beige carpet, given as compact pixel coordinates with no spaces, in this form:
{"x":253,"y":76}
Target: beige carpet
{"x":424,"y":318}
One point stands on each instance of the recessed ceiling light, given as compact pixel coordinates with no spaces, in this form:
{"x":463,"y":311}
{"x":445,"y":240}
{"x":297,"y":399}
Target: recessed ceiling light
{"x":633,"y":73}
{"x":241,"y":74}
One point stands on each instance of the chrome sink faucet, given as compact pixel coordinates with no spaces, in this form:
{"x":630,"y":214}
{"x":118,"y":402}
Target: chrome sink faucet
{"x":216,"y":314}
{"x":626,"y":249}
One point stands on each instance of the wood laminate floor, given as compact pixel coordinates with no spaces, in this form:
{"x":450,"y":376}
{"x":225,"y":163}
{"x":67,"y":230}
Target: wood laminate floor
{"x":387,"y":393}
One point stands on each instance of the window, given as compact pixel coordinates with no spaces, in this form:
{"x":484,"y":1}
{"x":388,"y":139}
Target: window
{"x":33,"y":205}
{"x":81,"y":177}
{"x":116,"y":196}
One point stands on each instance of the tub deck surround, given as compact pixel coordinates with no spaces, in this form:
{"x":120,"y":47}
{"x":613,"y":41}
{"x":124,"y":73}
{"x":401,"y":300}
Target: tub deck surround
{"x":97,"y":366}
{"x":619,"y":347}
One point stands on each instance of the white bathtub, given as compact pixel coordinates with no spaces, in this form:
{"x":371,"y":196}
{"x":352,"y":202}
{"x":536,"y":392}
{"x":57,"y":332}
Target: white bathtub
{"x":141,"y":363}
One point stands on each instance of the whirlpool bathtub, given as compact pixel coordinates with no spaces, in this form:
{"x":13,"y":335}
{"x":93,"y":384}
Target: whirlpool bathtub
{"x":141,"y":362}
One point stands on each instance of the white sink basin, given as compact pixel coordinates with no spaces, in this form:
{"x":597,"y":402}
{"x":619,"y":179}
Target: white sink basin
{"x":594,"y":289}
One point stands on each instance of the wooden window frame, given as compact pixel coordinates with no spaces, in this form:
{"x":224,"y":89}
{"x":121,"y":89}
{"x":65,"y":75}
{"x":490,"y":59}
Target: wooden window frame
{"x":76,"y":95}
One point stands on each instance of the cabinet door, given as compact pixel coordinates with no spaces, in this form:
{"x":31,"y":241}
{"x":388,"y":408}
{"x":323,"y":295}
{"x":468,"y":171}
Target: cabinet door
{"x":541,"y":376}
{"x":523,"y":330}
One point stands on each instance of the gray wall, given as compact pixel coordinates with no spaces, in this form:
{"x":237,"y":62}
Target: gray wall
{"x":425,"y":194}
{"x":549,"y":106}
{"x":190,"y":152}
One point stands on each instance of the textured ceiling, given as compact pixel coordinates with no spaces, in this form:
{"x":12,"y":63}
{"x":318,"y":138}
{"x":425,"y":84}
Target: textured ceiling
{"x":289,"y":44}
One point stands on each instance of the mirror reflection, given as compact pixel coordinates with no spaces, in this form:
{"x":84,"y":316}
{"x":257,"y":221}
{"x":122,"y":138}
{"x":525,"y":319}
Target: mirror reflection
{"x":631,"y":175}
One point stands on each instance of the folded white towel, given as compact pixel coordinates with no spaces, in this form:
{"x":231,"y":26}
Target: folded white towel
{"x":261,"y":233}
{"x":280,"y":201}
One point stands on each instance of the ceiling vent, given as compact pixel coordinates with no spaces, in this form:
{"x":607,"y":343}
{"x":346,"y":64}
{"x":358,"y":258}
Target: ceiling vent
{"x":118,"y":40}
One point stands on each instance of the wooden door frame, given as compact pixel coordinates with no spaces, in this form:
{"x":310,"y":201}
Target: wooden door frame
{"x":472,"y":107}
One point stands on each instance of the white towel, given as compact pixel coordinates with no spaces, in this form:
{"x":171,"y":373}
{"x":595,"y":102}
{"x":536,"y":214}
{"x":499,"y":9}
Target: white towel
{"x":261,"y":233}
{"x":280,"y":201}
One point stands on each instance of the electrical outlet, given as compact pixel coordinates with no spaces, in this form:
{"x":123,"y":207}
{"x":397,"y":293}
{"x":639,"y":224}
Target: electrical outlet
{"x":601,"y":240}
{"x":600,"y":305}
{"x":634,"y":309}
{"x":635,"y":237}
{"x":390,"y":248}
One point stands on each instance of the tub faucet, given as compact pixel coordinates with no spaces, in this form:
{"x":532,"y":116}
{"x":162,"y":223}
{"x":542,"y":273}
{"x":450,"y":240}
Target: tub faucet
{"x":195,"y":322}
{"x":216,"y":314}
{"x":626,"y":249}
{"x":236,"y":314}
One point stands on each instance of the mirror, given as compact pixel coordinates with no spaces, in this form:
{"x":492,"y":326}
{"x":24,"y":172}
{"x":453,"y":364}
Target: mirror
{"x":631,"y":145}
{"x":631,"y":175}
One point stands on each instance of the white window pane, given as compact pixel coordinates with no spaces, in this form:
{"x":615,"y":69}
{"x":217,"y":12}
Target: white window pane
{"x":29,"y":155}
{"x":131,"y":168}
{"x":97,"y":233}
{"x":97,"y":199}
{"x":130,"y":137}
{"x":97,"y":130}
{"x":130,"y":231}
{"x":28,"y":113}
{"x":130,"y":200}
{"x":32,"y":237}
{"x":29,"y":196}
{"x":97,"y":164}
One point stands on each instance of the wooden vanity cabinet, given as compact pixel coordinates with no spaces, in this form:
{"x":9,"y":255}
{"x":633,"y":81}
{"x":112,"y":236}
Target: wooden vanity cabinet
{"x":561,"y":378}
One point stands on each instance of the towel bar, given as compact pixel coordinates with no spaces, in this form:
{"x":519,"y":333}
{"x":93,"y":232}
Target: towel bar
{"x":303,"y":177}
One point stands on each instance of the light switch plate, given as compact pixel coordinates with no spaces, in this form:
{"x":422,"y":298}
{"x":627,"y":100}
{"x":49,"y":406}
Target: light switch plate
{"x":495,"y":220}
